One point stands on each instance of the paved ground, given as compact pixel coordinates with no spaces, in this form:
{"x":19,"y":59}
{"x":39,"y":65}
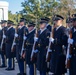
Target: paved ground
{"x":14,"y":72}
{"x":4,"y":72}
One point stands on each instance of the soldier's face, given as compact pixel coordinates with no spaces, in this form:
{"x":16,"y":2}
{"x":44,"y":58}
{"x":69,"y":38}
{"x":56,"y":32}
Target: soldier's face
{"x":74,"y":24}
{"x":30,"y":28}
{"x":2,"y":25}
{"x":42,"y":26}
{"x":8,"y":25}
{"x":58,"y":22}
{"x":68,"y":25}
{"x":21,"y":23}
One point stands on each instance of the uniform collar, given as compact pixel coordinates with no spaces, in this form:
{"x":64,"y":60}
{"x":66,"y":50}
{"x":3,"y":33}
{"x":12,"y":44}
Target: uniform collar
{"x":74,"y":30}
{"x":58,"y":27}
{"x":9,"y":27}
{"x":47,"y":25}
{"x":21,"y":27}
{"x":32,"y":30}
{"x":41,"y":30}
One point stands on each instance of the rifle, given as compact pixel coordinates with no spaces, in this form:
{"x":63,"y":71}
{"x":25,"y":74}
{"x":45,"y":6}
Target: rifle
{"x":33,"y":49}
{"x":48,"y":55}
{"x":2,"y":42}
{"x":69,"y":52}
{"x":13,"y":48}
{"x":22,"y":54}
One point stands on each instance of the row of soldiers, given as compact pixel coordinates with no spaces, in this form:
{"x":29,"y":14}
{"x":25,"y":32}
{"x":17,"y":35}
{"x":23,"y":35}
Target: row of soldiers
{"x":45,"y":49}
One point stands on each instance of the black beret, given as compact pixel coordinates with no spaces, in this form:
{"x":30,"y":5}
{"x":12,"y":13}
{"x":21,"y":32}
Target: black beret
{"x":47,"y":19}
{"x":10,"y":22}
{"x":31,"y":24}
{"x":22,"y":19}
{"x":58,"y":17}
{"x":69,"y":20}
{"x":43,"y":21}
{"x":3,"y":21}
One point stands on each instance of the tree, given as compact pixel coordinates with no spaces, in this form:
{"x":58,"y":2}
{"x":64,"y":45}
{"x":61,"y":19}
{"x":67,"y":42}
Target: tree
{"x":14,"y":17}
{"x":35,"y":9}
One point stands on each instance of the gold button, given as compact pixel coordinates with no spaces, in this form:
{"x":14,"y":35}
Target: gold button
{"x":39,"y":45}
{"x":74,"y":48}
{"x":47,"y":36}
{"x":26,"y":43}
{"x":46,"y":46}
{"x":54,"y":50}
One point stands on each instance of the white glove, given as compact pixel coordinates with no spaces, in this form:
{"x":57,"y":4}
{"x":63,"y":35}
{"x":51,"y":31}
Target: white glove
{"x":4,"y":36}
{"x":51,"y":39}
{"x":35,"y":51}
{"x":16,"y":35}
{"x":70,"y":41}
{"x":14,"y":43}
{"x":24,"y":37}
{"x":49,"y":50}
{"x":69,"y":56}
{"x":35,"y":39}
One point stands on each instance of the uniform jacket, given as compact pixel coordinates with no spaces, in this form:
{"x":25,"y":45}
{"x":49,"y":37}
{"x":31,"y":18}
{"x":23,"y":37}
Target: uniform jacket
{"x":58,"y":59}
{"x":73,"y":58}
{"x":19,"y":41}
{"x":42,"y":43}
{"x":9,"y":40}
{"x":29,"y":45}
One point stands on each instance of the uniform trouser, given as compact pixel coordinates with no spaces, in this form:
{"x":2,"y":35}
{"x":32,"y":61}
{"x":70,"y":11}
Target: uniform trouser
{"x":21,"y":66}
{"x":42,"y":72}
{"x":31,"y":72}
{"x":3,"y":59}
{"x":11,"y":63}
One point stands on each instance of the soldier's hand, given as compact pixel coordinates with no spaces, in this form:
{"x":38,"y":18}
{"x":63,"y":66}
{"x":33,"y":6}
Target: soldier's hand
{"x":24,"y":37}
{"x":35,"y":39}
{"x":23,"y":55}
{"x":4,"y":36}
{"x":51,"y":39}
{"x":70,"y":41}
{"x":16,"y":35}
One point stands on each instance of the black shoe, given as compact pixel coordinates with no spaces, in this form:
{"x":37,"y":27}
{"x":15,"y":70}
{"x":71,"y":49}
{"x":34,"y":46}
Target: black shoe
{"x":19,"y":74}
{"x":24,"y":74}
{"x":48,"y":70}
{"x":9,"y":69}
{"x":12,"y":69}
{"x":2,"y":66}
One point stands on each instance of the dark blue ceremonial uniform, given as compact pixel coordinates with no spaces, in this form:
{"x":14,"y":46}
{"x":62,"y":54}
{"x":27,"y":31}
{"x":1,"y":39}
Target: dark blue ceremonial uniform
{"x":42,"y":43}
{"x":9,"y":41}
{"x":28,"y":47}
{"x":19,"y":42}
{"x":73,"y":58}
{"x":58,"y":59}
{"x":3,"y":48}
{"x":48,"y":27}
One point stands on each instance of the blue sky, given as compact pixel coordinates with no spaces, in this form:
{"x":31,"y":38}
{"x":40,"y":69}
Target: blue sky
{"x":14,"y":5}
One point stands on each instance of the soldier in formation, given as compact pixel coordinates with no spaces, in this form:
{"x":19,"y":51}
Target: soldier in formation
{"x":39,"y":48}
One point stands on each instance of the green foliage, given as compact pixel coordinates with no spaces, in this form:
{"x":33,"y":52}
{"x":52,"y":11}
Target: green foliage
{"x":35,"y":9}
{"x":14,"y":17}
